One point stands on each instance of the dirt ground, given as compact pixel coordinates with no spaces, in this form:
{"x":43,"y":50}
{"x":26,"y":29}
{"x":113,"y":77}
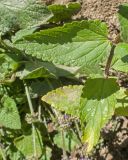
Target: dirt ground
{"x":115,"y":134}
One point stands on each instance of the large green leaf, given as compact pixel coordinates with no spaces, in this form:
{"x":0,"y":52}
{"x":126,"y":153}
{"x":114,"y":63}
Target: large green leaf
{"x":25,"y":144}
{"x":66,"y":99}
{"x":22,"y":14}
{"x":63,"y":12}
{"x":120,"y":60}
{"x":82,"y":44}
{"x":123,"y":19}
{"x":9,"y":116}
{"x":97,"y":107}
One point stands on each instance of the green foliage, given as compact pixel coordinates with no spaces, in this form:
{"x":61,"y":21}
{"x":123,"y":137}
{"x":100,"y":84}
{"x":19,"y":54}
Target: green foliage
{"x":74,"y":69}
{"x":122,"y":103}
{"x":9,"y":116}
{"x":123,"y":19}
{"x":83,"y":44}
{"x":22,"y":14}
{"x":120,"y":60}
{"x":8,"y":66}
{"x":25,"y":144}
{"x":71,"y":141}
{"x":98,"y":102}
{"x":65,"y":99}
{"x":63,"y":12}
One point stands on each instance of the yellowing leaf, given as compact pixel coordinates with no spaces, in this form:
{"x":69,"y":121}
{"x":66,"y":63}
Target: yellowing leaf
{"x":66,"y":99}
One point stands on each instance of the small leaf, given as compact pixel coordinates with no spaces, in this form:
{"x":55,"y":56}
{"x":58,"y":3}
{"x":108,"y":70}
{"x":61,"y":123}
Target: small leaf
{"x":63,"y":12}
{"x":8,"y":66}
{"x":122,"y":103}
{"x":65,"y":99}
{"x":25,"y":144}
{"x":97,"y":107}
{"x":79,"y":44}
{"x":120,"y":59}
{"x":9,"y":116}
{"x":123,"y":19}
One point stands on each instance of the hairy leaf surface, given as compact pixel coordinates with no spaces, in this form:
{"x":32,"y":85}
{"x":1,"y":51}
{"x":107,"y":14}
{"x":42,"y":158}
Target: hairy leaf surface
{"x":17,"y":14}
{"x":81,"y":44}
{"x":97,"y":107}
{"x":9,"y":116}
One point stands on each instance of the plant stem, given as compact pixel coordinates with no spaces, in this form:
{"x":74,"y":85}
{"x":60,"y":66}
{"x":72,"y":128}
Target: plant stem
{"x":32,"y":113}
{"x":29,"y":99}
{"x":108,"y":64}
{"x":64,"y":152}
{"x":34,"y":139}
{"x":77,"y":128}
{"x":39,"y":113}
{"x":3,"y":154}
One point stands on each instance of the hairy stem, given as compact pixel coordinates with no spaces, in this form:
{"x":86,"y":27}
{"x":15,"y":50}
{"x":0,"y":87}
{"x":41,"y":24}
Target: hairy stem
{"x":29,"y":99}
{"x":32,"y":113}
{"x":108,"y":64}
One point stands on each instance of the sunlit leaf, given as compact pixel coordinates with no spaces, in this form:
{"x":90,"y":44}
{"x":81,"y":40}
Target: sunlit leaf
{"x":97,"y":107}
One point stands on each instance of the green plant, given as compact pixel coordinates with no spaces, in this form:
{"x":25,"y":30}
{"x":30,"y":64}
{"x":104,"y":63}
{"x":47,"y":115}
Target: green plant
{"x":74,"y":67}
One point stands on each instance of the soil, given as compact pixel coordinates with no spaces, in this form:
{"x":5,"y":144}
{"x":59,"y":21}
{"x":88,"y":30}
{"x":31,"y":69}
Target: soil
{"x":114,"y":137}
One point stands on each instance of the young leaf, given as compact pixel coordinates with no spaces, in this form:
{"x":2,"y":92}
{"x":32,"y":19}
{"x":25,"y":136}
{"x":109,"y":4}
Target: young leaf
{"x":63,"y":12}
{"x":120,"y":60}
{"x":9,"y":116}
{"x":17,"y":14}
{"x":79,"y":44}
{"x":123,"y":19}
{"x":65,"y":99}
{"x":8,"y":66}
{"x":97,"y":107}
{"x":25,"y":144}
